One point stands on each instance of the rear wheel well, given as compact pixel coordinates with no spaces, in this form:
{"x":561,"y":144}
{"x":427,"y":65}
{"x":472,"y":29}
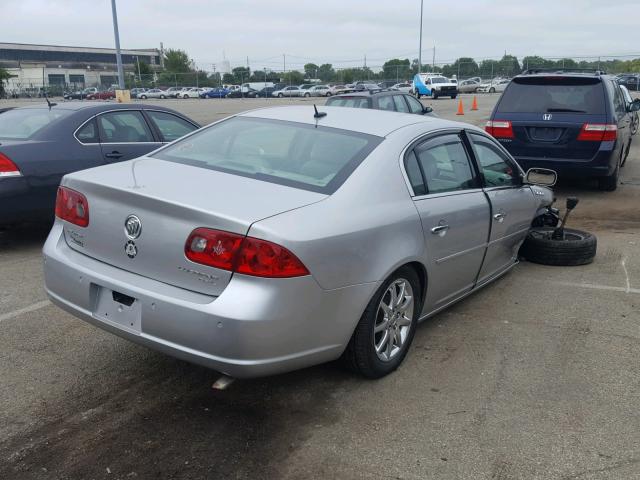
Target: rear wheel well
{"x":422,"y":276}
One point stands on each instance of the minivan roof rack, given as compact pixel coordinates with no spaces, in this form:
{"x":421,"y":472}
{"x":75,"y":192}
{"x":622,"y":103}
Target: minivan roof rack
{"x":592,"y":71}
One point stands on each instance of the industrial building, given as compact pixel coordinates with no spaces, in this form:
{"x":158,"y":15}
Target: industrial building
{"x":61,"y":67}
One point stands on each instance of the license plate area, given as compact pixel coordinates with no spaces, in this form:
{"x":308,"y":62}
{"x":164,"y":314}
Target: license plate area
{"x":545,"y":134}
{"x":117,"y":308}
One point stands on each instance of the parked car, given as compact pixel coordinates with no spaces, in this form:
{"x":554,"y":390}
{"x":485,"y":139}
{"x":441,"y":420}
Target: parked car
{"x":635,"y":120}
{"x":576,"y":123}
{"x":77,"y":95}
{"x":288,"y":92}
{"x":266,"y":92}
{"x":102,"y":95}
{"x":434,"y":85}
{"x":136,"y":91}
{"x":631,"y":81}
{"x":496,"y":85}
{"x":468,"y":86}
{"x":362,"y":86}
{"x":402,"y":87}
{"x":193,"y":92}
{"x":215,"y":93}
{"x":172,"y":92}
{"x":39,"y":145}
{"x":386,"y":84}
{"x":153,"y":93}
{"x":251,"y":93}
{"x":290,"y":281}
{"x":383,"y":100}
{"x":317,"y":91}
{"x":339,"y":89}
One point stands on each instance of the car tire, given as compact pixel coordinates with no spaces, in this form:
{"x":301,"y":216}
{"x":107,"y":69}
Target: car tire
{"x":328,"y":94}
{"x":280,"y":95}
{"x":162,"y":96}
{"x":453,"y":97}
{"x":361,"y":355}
{"x":626,"y":154}
{"x":635,"y":122}
{"x":578,"y":247}
{"x":143,"y":97}
{"x":492,"y":90}
{"x":434,"y":94}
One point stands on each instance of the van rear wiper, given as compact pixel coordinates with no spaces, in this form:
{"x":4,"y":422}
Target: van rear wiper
{"x":568,"y":110}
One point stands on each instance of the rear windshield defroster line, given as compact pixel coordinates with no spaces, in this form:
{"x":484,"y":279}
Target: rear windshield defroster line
{"x":306,"y":156}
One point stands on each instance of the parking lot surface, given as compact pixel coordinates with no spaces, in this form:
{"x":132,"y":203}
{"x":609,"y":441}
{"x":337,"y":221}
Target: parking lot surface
{"x":534,"y":377}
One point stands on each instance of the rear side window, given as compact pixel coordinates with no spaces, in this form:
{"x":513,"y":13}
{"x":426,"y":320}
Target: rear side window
{"x":299,"y":155}
{"x":386,"y":103}
{"x":124,"y":127}
{"x":88,"y":133}
{"x":553,"y":94}
{"x":445,"y":165}
{"x":171,"y":127}
{"x":353,"y":102}
{"x":414,"y":174}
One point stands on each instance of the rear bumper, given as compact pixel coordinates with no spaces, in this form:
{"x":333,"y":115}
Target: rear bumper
{"x":601,"y":165}
{"x":22,"y":203}
{"x":255,"y":327}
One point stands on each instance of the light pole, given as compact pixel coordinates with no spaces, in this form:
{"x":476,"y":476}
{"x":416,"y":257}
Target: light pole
{"x":117,"y":35}
{"x":420,"y":47}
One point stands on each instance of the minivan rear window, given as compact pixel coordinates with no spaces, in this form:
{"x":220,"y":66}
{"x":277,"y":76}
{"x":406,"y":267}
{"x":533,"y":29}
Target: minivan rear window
{"x":554,"y":94}
{"x":305,"y":156}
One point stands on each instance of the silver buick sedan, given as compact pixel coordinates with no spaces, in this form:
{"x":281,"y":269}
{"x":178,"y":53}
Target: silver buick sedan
{"x":284,"y":237}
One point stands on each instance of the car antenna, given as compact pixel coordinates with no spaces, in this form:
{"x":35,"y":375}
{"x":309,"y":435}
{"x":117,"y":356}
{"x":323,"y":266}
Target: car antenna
{"x":48,"y":102}
{"x":318,"y":114}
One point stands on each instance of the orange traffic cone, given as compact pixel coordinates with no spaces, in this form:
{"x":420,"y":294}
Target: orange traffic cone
{"x":460,"y":109}
{"x":474,"y":105}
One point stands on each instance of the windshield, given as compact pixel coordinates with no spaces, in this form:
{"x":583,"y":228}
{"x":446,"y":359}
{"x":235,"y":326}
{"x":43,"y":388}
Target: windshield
{"x":439,"y":80}
{"x":313,"y":158}
{"x":22,"y":124}
{"x":553,"y":94}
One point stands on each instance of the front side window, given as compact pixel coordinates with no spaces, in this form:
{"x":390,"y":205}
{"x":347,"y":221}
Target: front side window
{"x":414,"y":105}
{"x":304,"y":156}
{"x":386,"y":103}
{"x":170,"y":126}
{"x":400,"y":104}
{"x":445,"y":165}
{"x":124,"y":127}
{"x":496,"y":169}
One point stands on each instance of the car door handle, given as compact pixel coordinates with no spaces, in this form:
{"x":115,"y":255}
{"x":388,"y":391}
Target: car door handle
{"x":113,"y":154}
{"x":499,"y":217}
{"x":440,"y":229}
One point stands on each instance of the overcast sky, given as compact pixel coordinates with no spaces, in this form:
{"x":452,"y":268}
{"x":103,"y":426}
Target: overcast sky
{"x":340,"y":32}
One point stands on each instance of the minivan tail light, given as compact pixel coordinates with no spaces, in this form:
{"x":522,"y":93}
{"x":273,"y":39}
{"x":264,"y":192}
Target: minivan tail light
{"x":499,"y":128}
{"x":246,"y":255}
{"x":598,"y":132}
{"x":72,"y":206}
{"x":7,"y":167}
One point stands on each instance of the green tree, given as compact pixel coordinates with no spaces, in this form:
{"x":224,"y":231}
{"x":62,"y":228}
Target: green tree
{"x":241,"y":74}
{"x":293,"y":77}
{"x":311,"y":70}
{"x":177,"y":61}
{"x":4,"y":75}
{"x":509,"y":66}
{"x":228,"y":79}
{"x":142,"y":68}
{"x":396,"y":69}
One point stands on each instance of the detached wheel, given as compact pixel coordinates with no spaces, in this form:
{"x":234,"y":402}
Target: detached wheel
{"x":492,"y":90}
{"x":385,"y":331}
{"x":577,"y":247}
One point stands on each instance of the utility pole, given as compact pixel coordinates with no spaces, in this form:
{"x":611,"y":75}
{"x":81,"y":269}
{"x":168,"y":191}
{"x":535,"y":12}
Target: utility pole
{"x":138,"y":64}
{"x":420,"y":46}
{"x":117,"y":35}
{"x":433,"y":65}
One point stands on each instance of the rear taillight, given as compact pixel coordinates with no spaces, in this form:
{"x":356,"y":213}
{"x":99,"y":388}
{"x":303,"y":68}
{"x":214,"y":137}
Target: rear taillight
{"x":7,"y":167}
{"x":72,"y":206}
{"x":598,"y":132}
{"x":246,"y":255}
{"x":499,"y":128}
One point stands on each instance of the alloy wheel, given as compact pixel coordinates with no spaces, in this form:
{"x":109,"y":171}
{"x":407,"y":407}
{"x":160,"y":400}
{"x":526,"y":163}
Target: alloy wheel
{"x":393,"y":319}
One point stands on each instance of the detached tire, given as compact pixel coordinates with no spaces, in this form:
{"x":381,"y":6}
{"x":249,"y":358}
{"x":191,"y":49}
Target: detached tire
{"x":577,"y":248}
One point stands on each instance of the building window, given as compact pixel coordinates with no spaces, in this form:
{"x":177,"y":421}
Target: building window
{"x":76,"y":80}
{"x":56,"y":79}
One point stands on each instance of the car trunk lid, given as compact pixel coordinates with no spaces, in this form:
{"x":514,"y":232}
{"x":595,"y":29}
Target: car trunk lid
{"x":170,"y":200}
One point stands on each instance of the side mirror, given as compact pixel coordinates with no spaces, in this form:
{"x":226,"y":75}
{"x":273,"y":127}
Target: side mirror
{"x":541,"y":176}
{"x":427,"y":110}
{"x":635,"y":105}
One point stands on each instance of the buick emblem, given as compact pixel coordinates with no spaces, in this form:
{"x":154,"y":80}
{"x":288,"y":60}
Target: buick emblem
{"x":547,"y":116}
{"x":132,"y":227}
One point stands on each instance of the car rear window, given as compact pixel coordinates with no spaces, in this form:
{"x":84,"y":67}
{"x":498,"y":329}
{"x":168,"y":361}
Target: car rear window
{"x":353,"y":102}
{"x":22,"y":124}
{"x":554,"y":94}
{"x":299,"y":155}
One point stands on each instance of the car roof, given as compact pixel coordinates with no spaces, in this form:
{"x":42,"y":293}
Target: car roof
{"x":93,"y":106}
{"x":372,"y":122}
{"x":581,"y":73}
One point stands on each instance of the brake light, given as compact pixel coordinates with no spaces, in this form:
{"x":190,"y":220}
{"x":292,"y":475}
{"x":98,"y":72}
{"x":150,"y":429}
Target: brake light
{"x":598,"y":132}
{"x":72,"y":206}
{"x":246,"y":255}
{"x":499,"y":128}
{"x":7,"y":167}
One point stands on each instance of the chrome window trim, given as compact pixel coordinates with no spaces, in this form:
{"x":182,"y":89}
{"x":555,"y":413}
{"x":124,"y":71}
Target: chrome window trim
{"x":126,"y":110}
